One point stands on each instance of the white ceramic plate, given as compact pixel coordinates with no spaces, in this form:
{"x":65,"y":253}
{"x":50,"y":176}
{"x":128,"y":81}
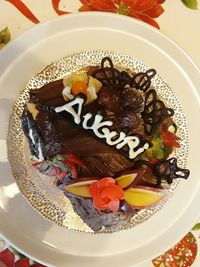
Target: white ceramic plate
{"x":47,"y":242}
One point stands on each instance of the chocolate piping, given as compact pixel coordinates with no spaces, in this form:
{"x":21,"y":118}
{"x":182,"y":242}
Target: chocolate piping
{"x":164,"y":170}
{"x":109,"y":76}
{"x":142,"y":80}
{"x":154,"y":112}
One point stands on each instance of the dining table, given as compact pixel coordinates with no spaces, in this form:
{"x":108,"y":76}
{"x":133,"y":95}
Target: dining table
{"x":179,"y":20}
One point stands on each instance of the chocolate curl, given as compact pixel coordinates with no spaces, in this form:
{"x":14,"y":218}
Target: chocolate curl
{"x":50,"y":94}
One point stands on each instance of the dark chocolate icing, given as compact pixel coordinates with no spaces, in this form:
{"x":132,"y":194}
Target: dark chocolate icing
{"x":59,"y":134}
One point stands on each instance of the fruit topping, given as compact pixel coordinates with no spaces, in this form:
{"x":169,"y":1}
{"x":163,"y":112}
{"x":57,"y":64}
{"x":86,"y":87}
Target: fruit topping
{"x":143,"y":197}
{"x":132,"y":99}
{"x":154,"y":112}
{"x":80,"y":83}
{"x":79,"y":87}
{"x":170,"y":139}
{"x":162,"y":144}
{"x":93,"y":88}
{"x":80,"y":189}
{"x":142,"y":80}
{"x":54,"y":169}
{"x":106,"y":194}
{"x":69,"y":156}
{"x":31,"y":107}
{"x":60,"y":166}
{"x":126,"y":180}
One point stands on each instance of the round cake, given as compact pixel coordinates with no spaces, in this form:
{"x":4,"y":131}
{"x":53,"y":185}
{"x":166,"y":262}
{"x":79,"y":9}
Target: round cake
{"x":105,"y":138}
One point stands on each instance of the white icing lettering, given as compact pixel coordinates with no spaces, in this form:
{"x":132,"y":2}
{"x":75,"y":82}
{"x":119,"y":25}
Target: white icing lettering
{"x":69,"y":108}
{"x":98,"y":126}
{"x":109,"y":135}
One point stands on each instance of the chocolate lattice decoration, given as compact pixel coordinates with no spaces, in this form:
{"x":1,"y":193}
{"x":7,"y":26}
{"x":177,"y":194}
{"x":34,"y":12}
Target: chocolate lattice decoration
{"x":154,"y":112}
{"x":166,"y":170}
{"x":142,"y":80}
{"x":109,"y":76}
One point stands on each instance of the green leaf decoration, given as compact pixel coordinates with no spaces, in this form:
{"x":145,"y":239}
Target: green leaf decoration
{"x":58,"y":158}
{"x":62,"y":166}
{"x":192,"y":4}
{"x":156,"y":151}
{"x":196,"y":227}
{"x":45,"y":166}
{"x":4,"y":37}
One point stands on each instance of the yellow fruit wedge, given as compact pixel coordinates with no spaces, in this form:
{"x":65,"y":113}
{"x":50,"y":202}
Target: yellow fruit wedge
{"x":143,"y":197}
{"x":126,"y":180}
{"x":80,"y":189}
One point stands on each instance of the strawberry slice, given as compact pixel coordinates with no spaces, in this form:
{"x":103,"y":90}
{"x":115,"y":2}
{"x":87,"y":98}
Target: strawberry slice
{"x":73,"y":168}
{"x":74,"y":159}
{"x":170,"y":139}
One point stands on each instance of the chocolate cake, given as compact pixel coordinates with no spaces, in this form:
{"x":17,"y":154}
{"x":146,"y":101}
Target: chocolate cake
{"x":106,"y":137}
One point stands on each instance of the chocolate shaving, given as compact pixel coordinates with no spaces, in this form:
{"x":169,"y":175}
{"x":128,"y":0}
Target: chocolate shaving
{"x":109,"y":76}
{"x":142,"y":80}
{"x":154,"y":112}
{"x":49,"y":94}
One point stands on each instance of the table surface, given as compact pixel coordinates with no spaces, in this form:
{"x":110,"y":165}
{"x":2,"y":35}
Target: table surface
{"x":178,"y":22}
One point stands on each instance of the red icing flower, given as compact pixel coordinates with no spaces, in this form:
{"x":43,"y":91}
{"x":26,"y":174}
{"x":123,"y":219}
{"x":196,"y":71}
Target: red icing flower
{"x":145,"y":10}
{"x":106,"y":194}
